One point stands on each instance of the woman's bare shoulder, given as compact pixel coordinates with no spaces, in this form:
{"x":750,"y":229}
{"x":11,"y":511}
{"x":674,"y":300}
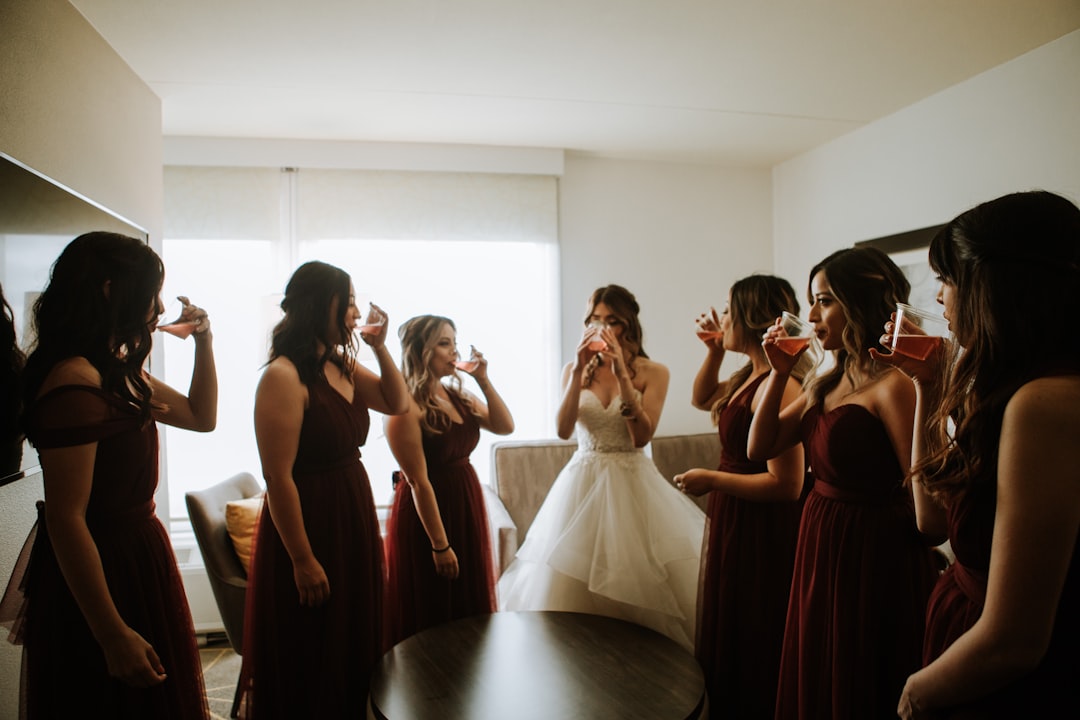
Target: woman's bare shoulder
{"x":280,"y":382}
{"x":72,"y":371}
{"x":1053,"y":399}
{"x":651,"y":367}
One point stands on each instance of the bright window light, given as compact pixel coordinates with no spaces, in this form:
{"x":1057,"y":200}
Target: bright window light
{"x":501,"y":295}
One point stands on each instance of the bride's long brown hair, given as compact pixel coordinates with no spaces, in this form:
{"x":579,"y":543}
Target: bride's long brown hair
{"x":624,"y":307}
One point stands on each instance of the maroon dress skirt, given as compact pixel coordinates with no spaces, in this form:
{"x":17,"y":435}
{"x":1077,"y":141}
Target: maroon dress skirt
{"x":748,"y":554}
{"x":64,"y":672}
{"x":862,"y":576}
{"x":316,"y":662}
{"x":417,"y":597}
{"x":1053,"y":688}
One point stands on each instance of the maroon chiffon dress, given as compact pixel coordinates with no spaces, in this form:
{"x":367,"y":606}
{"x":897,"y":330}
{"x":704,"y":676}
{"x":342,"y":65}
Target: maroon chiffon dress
{"x":64,"y":669}
{"x":748,"y":555}
{"x":417,"y":597}
{"x":862,"y":576}
{"x":1053,"y":688}
{"x":316,"y":662}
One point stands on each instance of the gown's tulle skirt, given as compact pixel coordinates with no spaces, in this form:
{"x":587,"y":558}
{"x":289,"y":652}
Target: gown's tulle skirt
{"x":612,"y":538}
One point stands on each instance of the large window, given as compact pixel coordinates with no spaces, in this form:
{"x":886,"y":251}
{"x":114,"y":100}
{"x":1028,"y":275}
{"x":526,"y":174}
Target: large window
{"x":495,"y":276}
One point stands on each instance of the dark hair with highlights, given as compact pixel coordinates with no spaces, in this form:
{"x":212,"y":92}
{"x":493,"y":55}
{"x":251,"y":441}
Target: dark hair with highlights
{"x":309,"y":295}
{"x":418,"y":337}
{"x":101,"y":292}
{"x":1015,"y":265}
{"x":867,"y":284}
{"x":756,"y":302}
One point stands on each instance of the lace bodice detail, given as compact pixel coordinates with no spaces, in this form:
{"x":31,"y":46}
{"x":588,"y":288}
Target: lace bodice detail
{"x":602,"y":429}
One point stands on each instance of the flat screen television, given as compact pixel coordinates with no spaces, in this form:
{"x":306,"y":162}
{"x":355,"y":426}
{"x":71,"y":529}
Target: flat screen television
{"x":38,"y":218}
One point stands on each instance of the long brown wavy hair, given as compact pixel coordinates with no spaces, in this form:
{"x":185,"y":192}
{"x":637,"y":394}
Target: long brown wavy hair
{"x":419,"y":336}
{"x":1015,"y":265}
{"x":76,"y":316}
{"x":867,"y":284}
{"x":309,"y":295}
{"x":625,"y":308}
{"x":756,"y":302}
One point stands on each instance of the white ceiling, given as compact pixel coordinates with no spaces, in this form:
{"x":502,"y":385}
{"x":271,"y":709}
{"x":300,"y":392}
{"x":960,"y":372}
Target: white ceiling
{"x":737,"y":82}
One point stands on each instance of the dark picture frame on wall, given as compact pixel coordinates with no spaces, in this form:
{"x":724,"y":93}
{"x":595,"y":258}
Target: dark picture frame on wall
{"x":909,"y":250}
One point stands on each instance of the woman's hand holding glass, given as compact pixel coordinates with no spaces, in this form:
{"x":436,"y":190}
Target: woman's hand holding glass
{"x":591,"y":343}
{"x":709,"y":330}
{"x":372,"y":326}
{"x":475,"y":365}
{"x":612,"y":350}
{"x":777,"y":338}
{"x":918,"y":342}
{"x":189,"y":319}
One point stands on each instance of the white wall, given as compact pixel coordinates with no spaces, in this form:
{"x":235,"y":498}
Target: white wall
{"x":73,"y":110}
{"x":676,"y":236}
{"x":1014,"y":127}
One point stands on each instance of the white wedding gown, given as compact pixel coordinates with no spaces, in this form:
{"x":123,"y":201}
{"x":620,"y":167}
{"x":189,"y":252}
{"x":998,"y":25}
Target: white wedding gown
{"x":612,"y":538}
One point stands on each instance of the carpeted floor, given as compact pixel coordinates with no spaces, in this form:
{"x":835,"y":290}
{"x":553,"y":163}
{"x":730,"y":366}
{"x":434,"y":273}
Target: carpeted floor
{"x":221,"y":668}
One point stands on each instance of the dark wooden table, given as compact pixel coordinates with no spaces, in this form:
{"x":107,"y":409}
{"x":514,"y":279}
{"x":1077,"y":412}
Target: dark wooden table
{"x":549,"y":665}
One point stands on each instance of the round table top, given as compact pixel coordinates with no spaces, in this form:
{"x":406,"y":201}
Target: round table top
{"x":537,"y":665}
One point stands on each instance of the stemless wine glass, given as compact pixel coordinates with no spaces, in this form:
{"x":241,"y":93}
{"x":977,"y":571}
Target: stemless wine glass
{"x":178,"y":327}
{"x":597,"y":343}
{"x":917,"y":332}
{"x":469,"y":365}
{"x":799,"y":334}
{"x":708,"y":326}
{"x":371,"y":321}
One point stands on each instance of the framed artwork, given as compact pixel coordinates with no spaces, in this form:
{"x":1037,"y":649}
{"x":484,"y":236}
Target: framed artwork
{"x":909,"y":251}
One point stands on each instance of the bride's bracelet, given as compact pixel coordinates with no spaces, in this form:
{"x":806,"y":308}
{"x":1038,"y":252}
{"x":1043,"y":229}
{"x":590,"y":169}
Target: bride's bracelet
{"x":627,"y":410}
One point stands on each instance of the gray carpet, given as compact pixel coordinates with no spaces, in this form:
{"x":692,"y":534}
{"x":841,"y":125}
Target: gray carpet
{"x":221,"y":668}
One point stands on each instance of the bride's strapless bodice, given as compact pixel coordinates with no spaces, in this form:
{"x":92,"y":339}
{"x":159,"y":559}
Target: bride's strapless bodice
{"x":602,"y":429}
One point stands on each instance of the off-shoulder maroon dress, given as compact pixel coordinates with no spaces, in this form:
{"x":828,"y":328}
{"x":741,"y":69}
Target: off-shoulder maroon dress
{"x":748,"y":555}
{"x":64,"y":670}
{"x":304,"y":662}
{"x":1053,"y":688}
{"x":862,"y":576}
{"x":417,"y":597}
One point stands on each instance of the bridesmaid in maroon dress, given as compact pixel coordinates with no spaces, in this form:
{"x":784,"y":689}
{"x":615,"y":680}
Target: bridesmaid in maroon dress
{"x":313,"y":623}
{"x":104,"y":619}
{"x":1003,"y":626}
{"x":753,"y":512}
{"x":438,"y":542}
{"x":862,"y":571}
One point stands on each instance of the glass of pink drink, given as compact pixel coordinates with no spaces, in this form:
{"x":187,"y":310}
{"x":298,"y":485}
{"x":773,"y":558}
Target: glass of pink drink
{"x":799,"y":334}
{"x":917,"y":333}
{"x":469,"y":365}
{"x":371,"y":321}
{"x":179,"y":327}
{"x":708,"y":326}
{"x":597,"y":343}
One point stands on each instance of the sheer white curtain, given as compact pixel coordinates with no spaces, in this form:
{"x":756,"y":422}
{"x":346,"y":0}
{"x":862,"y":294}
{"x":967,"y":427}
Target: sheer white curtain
{"x":481,"y":249}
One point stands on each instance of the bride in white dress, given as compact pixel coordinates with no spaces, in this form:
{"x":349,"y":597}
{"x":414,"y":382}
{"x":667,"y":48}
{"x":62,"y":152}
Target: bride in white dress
{"x":613,"y":536}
